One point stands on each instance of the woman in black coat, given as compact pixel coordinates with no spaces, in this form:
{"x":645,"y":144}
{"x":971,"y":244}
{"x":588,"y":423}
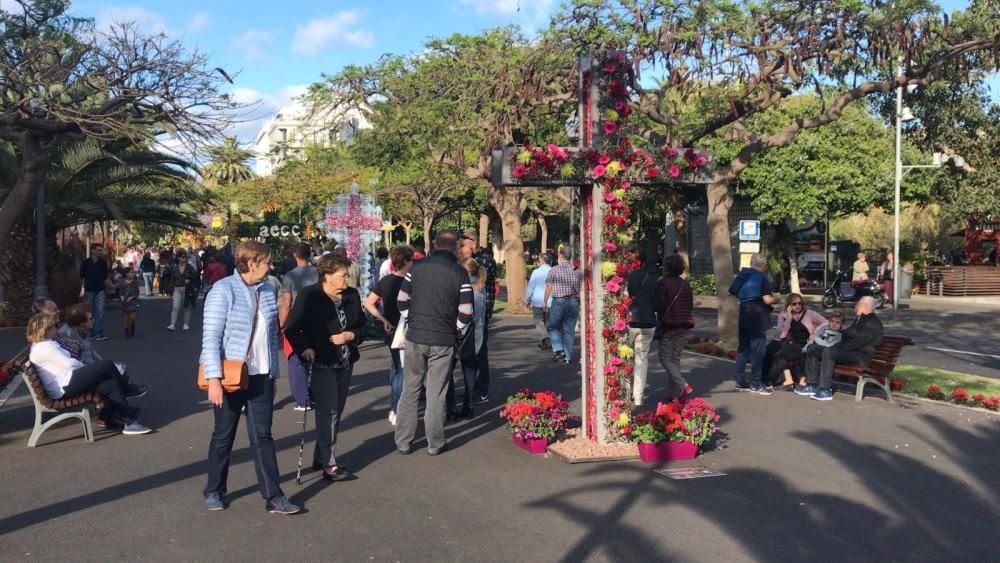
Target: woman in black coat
{"x":324,"y":328}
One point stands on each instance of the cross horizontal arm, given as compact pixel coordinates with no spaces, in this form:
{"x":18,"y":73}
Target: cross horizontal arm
{"x":511,"y":167}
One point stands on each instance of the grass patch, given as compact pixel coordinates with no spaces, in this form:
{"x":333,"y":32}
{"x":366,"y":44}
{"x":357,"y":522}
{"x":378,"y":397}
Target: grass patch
{"x":917,"y":379}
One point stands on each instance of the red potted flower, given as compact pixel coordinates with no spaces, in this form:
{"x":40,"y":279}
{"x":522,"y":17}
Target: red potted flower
{"x":534,"y":419}
{"x":674,"y":431}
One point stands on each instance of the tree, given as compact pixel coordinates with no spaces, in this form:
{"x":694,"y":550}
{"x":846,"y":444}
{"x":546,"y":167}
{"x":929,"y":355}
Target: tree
{"x":733,"y":61}
{"x":456,"y":102}
{"x":62,"y":76}
{"x":228,"y":163}
{"x":434,"y":190}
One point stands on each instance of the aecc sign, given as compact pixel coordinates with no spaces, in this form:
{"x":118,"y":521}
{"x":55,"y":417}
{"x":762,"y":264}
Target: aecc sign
{"x":280,"y":231}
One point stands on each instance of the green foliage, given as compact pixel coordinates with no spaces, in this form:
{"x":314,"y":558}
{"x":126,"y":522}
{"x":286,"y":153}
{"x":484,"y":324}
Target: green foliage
{"x":229,"y":163}
{"x":703,"y":285}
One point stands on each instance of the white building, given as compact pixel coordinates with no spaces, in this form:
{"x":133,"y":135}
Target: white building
{"x":294,"y":128}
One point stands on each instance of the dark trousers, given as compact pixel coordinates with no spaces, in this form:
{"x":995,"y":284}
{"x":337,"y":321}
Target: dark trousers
{"x":753,"y":344}
{"x":778,"y":355}
{"x":330,"y":387}
{"x":297,"y":381}
{"x":820,"y":363}
{"x":104,"y":378}
{"x":258,"y":399}
{"x":469,"y":369}
{"x":482,"y":369}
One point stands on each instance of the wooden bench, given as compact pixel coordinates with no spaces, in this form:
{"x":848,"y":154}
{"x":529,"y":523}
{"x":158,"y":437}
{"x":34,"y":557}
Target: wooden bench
{"x":66,"y":408}
{"x":878,"y":371}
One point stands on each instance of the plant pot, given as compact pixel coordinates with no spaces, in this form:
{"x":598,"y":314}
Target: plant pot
{"x":667,"y":451}
{"x":536,"y":446}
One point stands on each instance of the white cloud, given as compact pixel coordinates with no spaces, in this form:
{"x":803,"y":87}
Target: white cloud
{"x":145,"y":20}
{"x":338,"y":29}
{"x":529,"y":12}
{"x":198,"y":23}
{"x":253,"y":44}
{"x":11,"y":7}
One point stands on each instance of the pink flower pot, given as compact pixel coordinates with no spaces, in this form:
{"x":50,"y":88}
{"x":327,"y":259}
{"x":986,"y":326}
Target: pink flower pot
{"x":667,"y":451}
{"x":537,"y":446}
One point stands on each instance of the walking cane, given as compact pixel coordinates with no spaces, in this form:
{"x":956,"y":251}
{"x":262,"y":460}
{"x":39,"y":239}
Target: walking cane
{"x":305,"y":418}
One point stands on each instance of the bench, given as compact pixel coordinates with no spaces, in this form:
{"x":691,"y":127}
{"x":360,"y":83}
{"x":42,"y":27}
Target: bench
{"x":877,"y":371}
{"x":65,"y":408}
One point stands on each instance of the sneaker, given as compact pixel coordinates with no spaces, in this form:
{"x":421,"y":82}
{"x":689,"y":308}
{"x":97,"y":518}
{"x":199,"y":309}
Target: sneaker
{"x":760,"y":390}
{"x":303,"y":408}
{"x":186,"y":327}
{"x":392,"y":418}
{"x":805,"y":390}
{"x":684,"y":394}
{"x":559,"y":356}
{"x":170,"y":328}
{"x":740,"y":386}
{"x":438,"y":451}
{"x":213,"y":501}
{"x":338,"y":474}
{"x":135,"y":391}
{"x":823,"y":394}
{"x":100,"y":338}
{"x":281,"y":505}
{"x":135,"y":428}
{"x":484,"y":398}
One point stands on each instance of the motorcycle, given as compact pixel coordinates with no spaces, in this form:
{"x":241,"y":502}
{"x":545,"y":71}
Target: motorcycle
{"x":841,"y":291}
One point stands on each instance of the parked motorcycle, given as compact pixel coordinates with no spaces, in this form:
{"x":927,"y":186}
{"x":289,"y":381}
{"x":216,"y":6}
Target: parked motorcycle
{"x":840,"y":291}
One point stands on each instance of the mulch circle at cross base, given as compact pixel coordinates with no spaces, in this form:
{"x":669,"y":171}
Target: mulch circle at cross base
{"x":574,"y":447}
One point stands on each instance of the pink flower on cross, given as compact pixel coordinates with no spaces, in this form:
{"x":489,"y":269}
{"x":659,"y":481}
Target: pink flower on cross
{"x":519,"y":171}
{"x":620,"y":325}
{"x":610,"y":247}
{"x":609,"y":197}
{"x":604,"y":159}
{"x":610,"y":127}
{"x":671,"y":152}
{"x":598,"y":171}
{"x":615,"y":361}
{"x":675,"y":171}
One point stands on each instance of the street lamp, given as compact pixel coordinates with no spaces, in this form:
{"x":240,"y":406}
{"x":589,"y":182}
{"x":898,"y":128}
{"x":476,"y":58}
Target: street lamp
{"x":903,"y":113}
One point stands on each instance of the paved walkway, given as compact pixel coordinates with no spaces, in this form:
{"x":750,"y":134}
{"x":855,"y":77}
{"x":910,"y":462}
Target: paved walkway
{"x":806,"y":480}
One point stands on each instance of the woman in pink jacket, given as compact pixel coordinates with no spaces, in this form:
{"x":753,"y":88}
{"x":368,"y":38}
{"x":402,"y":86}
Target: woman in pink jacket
{"x":797,"y":327}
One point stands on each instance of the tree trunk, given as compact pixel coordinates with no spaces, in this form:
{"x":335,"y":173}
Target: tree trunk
{"x":484,"y":230}
{"x":793,"y":274}
{"x":680,"y":227}
{"x":428,"y":221}
{"x":720,"y":200}
{"x":507,"y":202}
{"x":32,"y":171}
{"x":543,"y":226}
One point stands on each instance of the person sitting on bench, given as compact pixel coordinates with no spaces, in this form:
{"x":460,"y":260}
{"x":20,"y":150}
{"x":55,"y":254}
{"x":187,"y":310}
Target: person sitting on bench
{"x":63,"y":376}
{"x":856,"y":347}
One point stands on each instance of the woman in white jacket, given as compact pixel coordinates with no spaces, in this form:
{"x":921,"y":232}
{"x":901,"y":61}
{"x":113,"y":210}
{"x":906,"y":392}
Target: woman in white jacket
{"x":63,"y":376}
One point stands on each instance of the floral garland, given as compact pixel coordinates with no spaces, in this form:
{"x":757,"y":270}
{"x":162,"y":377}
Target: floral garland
{"x":615,"y":166}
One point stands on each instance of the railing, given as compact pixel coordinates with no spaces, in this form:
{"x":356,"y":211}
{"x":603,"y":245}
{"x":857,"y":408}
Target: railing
{"x":962,"y":281}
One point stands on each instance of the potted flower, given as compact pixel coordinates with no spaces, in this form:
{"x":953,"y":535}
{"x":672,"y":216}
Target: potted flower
{"x":534,"y":419}
{"x":674,"y":430}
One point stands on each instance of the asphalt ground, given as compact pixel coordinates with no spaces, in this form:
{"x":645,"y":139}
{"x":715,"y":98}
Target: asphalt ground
{"x":805,"y":481}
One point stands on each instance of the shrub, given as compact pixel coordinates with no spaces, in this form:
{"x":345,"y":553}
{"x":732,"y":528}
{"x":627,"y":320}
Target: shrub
{"x":960,"y":396}
{"x":896,"y":384}
{"x":993,"y":403}
{"x":979,"y":400}
{"x":703,"y":285}
{"x":935,"y":392}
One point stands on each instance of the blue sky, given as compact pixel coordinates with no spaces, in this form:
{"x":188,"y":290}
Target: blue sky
{"x":279,"y":47}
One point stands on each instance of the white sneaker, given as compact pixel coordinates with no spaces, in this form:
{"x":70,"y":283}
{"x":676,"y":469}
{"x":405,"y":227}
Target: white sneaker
{"x":170,"y":328}
{"x":186,"y":327}
{"x":392,"y":418}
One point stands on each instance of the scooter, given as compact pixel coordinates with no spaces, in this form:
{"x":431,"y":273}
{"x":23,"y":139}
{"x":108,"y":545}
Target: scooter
{"x":840,"y":291}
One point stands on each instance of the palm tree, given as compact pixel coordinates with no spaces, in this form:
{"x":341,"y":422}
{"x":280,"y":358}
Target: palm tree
{"x":228,"y":164}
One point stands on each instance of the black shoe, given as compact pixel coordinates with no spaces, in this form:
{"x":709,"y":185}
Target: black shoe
{"x":438,"y":451}
{"x":559,"y":356}
{"x":338,"y":474}
{"x":135,"y":391}
{"x":317,"y":465}
{"x":452,"y":417}
{"x":484,"y":398}
{"x":466,"y":413}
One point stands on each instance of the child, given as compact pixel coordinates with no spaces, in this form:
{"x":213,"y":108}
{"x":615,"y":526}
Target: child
{"x":829,"y":334}
{"x":129,"y":290}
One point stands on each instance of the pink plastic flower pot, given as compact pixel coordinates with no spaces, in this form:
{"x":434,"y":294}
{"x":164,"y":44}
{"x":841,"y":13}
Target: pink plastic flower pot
{"x":667,"y":451}
{"x":537,"y":446}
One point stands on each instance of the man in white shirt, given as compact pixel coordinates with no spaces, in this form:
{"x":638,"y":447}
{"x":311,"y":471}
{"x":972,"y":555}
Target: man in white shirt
{"x":535,"y":297}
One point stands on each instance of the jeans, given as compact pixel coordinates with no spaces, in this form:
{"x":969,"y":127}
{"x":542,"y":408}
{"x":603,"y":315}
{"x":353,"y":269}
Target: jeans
{"x":671,"y":346}
{"x":753,"y":343}
{"x":103,"y":377}
{"x":562,"y":324}
{"x":482,"y":369}
{"x":640,"y":338}
{"x":820,"y":363}
{"x":330,"y":389}
{"x":395,"y":374}
{"x":96,"y":300}
{"x":147,"y":282}
{"x":538,"y":316}
{"x":180,"y":301}
{"x":297,"y":381}
{"x":427,"y":366}
{"x":258,"y":399}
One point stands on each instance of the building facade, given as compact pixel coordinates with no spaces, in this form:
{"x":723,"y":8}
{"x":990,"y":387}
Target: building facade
{"x":296,"y":127}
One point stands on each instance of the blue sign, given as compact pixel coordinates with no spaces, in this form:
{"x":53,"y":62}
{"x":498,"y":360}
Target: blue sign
{"x":749,"y":230}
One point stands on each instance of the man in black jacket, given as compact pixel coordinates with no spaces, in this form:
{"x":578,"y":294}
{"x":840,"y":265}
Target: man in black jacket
{"x":855,"y":348}
{"x":436,"y":299}
{"x":94,"y":272}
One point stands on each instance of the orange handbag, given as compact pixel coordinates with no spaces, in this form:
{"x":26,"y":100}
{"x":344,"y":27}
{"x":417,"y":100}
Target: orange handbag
{"x":234,"y":372}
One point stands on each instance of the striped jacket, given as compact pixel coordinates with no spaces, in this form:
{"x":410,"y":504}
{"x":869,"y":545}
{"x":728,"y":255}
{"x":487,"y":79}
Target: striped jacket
{"x":228,"y":319}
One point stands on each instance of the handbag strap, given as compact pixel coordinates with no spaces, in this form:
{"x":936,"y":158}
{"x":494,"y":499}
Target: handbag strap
{"x":253,"y":327}
{"x":676,"y":295}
